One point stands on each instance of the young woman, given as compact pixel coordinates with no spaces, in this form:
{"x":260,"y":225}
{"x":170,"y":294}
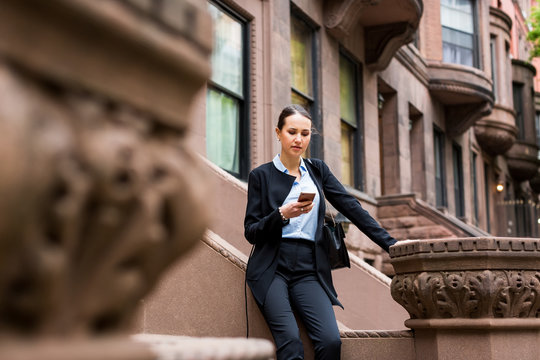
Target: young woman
{"x":289,"y":268}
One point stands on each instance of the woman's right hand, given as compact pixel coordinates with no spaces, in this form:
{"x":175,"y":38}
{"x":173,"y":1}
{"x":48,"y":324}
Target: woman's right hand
{"x":296,"y":208}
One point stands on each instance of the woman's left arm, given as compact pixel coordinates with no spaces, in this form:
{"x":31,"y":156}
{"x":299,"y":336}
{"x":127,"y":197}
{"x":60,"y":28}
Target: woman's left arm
{"x":349,"y":206}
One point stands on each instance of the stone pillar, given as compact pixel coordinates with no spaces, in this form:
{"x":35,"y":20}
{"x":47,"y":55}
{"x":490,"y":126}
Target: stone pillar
{"x":99,"y":191}
{"x":470,"y":298}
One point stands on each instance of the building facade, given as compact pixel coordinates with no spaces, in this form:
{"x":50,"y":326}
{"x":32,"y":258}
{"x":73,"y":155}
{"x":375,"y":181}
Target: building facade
{"x":424,"y":110}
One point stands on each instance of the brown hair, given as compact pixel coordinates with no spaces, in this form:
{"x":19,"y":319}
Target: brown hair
{"x":291,"y":110}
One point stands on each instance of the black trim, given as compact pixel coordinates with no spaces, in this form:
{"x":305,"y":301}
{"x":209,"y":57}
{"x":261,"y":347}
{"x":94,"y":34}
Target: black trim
{"x":487,"y":194}
{"x":474,"y":174}
{"x":244,"y":98}
{"x":358,"y":144}
{"x":459,"y":194}
{"x":476,"y":38}
{"x":440,"y":199}
{"x":317,"y":141}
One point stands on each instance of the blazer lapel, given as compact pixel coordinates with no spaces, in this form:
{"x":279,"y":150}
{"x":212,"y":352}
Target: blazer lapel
{"x":317,"y":179}
{"x":281,"y":186}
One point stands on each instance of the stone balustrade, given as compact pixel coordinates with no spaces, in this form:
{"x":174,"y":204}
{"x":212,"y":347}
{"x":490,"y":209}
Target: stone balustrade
{"x":470,"y":298}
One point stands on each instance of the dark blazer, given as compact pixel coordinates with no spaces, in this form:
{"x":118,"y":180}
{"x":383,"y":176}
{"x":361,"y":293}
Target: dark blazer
{"x":267,"y":189}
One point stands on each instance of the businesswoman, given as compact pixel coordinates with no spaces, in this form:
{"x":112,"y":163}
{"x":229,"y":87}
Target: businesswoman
{"x":289,"y":268}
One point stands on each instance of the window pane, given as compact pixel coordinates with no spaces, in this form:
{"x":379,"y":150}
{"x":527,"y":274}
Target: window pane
{"x":347,"y":91}
{"x":458,"y":32}
{"x":457,"y":38}
{"x":458,"y":181}
{"x":440,"y":181}
{"x":347,"y":154}
{"x":462,"y":5}
{"x":493,"y":53}
{"x":222,"y":130}
{"x":458,"y":18}
{"x":228,"y":50}
{"x":300,"y":100}
{"x":537,"y":120}
{"x":517,"y":90}
{"x":457,"y":55}
{"x":301,"y":56}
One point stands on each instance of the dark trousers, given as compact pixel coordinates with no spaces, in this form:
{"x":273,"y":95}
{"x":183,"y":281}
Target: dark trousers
{"x":296,"y":287}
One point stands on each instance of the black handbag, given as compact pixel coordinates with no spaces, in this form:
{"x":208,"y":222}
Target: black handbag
{"x":337,"y":250}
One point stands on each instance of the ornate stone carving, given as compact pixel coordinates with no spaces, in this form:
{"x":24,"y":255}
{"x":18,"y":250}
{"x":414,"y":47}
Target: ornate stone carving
{"x":522,"y":160}
{"x":99,"y":202}
{"x":99,"y":190}
{"x":469,"y":294}
{"x":384,"y":34}
{"x":470,"y":278}
{"x":383,"y":41}
{"x":495,"y":137}
{"x":341,"y":15}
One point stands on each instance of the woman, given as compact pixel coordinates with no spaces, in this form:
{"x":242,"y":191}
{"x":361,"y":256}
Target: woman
{"x":289,"y":268}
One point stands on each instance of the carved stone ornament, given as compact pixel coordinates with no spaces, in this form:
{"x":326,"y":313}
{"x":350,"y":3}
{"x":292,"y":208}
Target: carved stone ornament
{"x":468,"y":278}
{"x":96,"y":202}
{"x":469,"y":294}
{"x":388,"y":25}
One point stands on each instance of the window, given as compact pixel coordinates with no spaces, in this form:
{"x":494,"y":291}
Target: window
{"x":458,"y":180}
{"x":440,"y":181}
{"x":487,"y":185}
{"x":493,"y":51}
{"x":517,"y":91}
{"x":304,"y":74}
{"x":226,"y":103}
{"x":537,"y":121}
{"x":474,"y":180}
{"x":458,"y":32}
{"x":351,"y":139}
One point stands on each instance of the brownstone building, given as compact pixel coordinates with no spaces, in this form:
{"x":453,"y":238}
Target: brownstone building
{"x":424,"y":109}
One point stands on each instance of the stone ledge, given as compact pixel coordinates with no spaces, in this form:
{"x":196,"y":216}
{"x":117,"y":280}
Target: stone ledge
{"x":412,"y":247}
{"x":395,"y":334}
{"x":168,"y":347}
{"x":469,"y":324}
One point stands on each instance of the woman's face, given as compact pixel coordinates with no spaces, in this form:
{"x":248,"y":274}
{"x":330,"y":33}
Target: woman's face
{"x":295,"y":135}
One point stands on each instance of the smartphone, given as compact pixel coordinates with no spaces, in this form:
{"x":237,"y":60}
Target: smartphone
{"x":305,"y":196}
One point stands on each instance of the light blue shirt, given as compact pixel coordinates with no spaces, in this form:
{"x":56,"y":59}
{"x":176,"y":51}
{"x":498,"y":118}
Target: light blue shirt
{"x":305,"y":225}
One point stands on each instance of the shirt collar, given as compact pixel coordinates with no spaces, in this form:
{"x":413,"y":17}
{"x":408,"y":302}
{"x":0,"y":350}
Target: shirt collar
{"x":279,"y":165}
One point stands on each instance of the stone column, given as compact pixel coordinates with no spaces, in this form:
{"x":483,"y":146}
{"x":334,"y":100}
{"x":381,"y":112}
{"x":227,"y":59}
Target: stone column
{"x":470,"y":298}
{"x":99,"y":190}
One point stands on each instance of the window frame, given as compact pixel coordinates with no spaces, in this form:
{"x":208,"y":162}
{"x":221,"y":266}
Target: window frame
{"x":358,"y":134}
{"x":459,"y":191}
{"x":243,"y":99}
{"x":519,"y":108}
{"x":440,"y":199}
{"x":487,"y":193}
{"x":494,"y":68}
{"x":475,"y":37}
{"x":317,"y":142}
{"x":474,"y":179}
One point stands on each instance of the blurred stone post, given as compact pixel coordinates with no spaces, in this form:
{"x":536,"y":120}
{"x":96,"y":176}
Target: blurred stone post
{"x":99,"y":192}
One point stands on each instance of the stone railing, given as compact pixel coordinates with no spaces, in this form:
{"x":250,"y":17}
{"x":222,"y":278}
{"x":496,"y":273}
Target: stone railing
{"x":470,"y":298}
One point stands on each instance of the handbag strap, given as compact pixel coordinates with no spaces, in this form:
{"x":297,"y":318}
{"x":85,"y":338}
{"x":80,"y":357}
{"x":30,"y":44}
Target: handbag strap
{"x":333,"y":220}
{"x":326,"y":201}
